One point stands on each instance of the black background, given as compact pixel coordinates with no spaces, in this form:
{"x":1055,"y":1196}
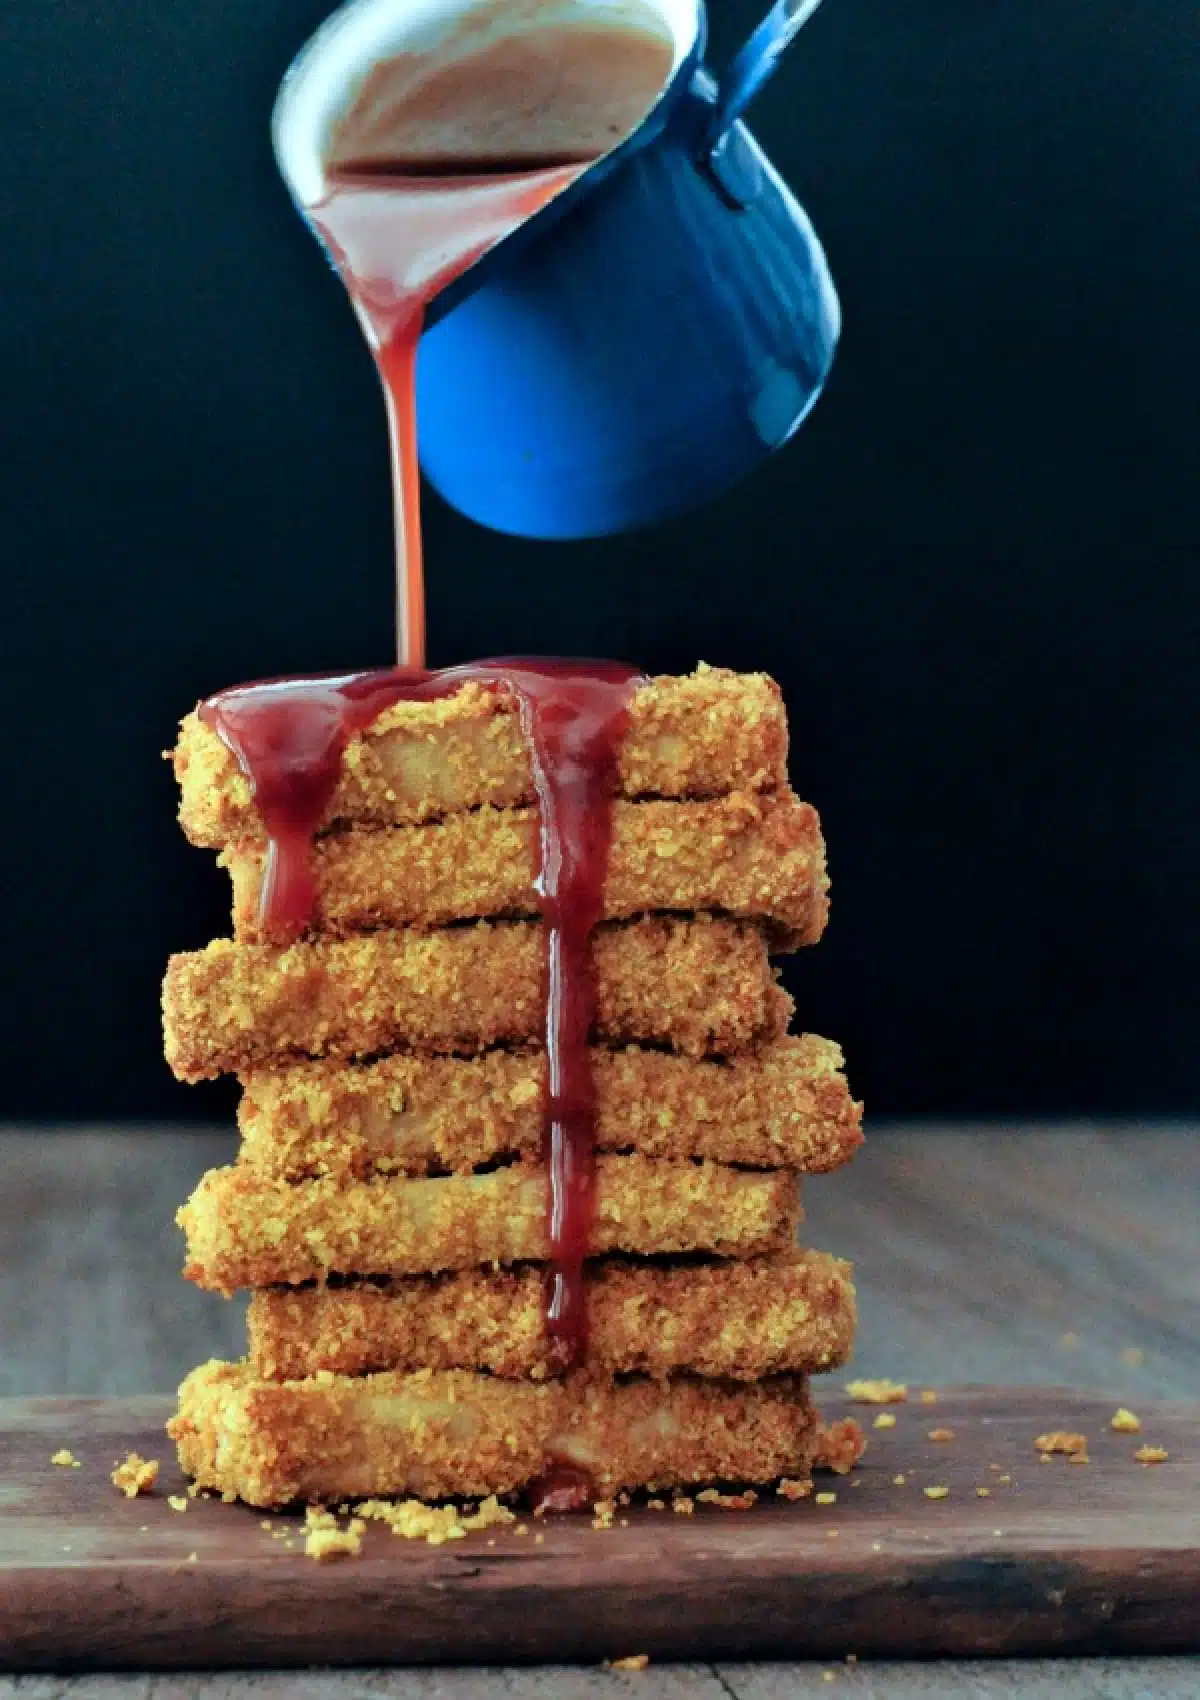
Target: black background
{"x":973,"y":571}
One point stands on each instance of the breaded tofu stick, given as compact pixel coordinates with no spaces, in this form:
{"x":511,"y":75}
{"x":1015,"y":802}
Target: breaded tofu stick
{"x":244,"y":1230}
{"x":441,"y":1434}
{"x":790,"y":1313}
{"x":699,"y":736}
{"x":757,"y":856}
{"x":786,"y":1106}
{"x":701,"y":986}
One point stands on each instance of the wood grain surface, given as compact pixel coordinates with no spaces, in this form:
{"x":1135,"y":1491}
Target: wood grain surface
{"x":1064,"y":1255}
{"x":1103,"y":1557}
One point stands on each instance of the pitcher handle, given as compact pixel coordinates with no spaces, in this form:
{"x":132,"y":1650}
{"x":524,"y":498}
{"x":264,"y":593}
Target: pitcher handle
{"x":754,"y":64}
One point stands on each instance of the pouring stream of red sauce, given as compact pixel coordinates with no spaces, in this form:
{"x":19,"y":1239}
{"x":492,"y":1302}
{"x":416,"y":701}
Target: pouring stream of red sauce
{"x":399,"y":229}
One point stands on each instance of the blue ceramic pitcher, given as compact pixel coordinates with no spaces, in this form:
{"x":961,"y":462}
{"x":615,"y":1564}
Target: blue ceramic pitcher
{"x":652,"y":335}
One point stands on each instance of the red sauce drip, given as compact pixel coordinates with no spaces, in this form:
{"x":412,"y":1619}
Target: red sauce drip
{"x":564,"y":1487}
{"x":398,"y":239}
{"x":288,"y":737}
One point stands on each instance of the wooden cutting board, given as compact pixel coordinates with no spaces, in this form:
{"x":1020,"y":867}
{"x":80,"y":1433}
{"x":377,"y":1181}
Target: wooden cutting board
{"x":1058,"y":1558}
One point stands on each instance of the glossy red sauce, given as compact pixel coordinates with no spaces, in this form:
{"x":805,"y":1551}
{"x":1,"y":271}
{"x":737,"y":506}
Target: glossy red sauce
{"x":398,"y":240}
{"x":288,"y":737}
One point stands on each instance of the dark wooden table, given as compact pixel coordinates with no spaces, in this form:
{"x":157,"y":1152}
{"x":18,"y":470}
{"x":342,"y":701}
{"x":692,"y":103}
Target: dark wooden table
{"x":993,"y":1254}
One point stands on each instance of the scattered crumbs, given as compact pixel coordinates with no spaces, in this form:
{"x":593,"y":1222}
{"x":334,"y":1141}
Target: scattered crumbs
{"x":1151,"y":1454}
{"x":839,"y":1446}
{"x":1125,"y":1422}
{"x":928,"y":1396}
{"x":192,"y":1558}
{"x":936,"y":1492}
{"x":538,"y":1540}
{"x":828,"y":1676}
{"x":1004,"y":1480}
{"x":1068,"y":1342}
{"x":791,"y":1488}
{"x":1063,"y":1441}
{"x":521,"y":1529}
{"x":941,"y":1434}
{"x":997,"y":1532}
{"x":227,"y":1498}
{"x":177,"y":1502}
{"x":683,"y":1505}
{"x":899,"y":1481}
{"x":876,"y":1546}
{"x":1133,"y":1356}
{"x":826,"y":1499}
{"x":605,"y":1511}
{"x":656,"y":1504}
{"x":193,"y":1489}
{"x":492,"y":1539}
{"x":143,"y":1528}
{"x":136,"y":1475}
{"x":623,"y":1498}
{"x":832,"y":1534}
{"x":66,"y":1460}
{"x":623,"y":1521}
{"x":266,"y":1524}
{"x":1079,"y":1458}
{"x":851,"y":1658}
{"x":885,"y":1419}
{"x":66,"y":1549}
{"x":413,"y":1520}
{"x":983,"y":1493}
{"x":636,"y":1661}
{"x":994,"y":1467}
{"x":879,"y":1392}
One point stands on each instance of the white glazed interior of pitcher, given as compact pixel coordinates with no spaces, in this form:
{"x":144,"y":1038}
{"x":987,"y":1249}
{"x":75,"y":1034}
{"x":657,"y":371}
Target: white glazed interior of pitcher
{"x":535,"y":109}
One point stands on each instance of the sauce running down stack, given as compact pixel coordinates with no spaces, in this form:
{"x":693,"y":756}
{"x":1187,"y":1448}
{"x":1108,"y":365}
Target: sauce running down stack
{"x":521,"y":1120}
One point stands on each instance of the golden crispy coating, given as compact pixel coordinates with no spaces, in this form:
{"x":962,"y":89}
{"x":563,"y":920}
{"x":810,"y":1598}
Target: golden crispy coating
{"x":701,"y":986}
{"x":785,"y":1107}
{"x":244,"y":1230}
{"x":699,"y":736}
{"x":753,"y":855}
{"x":447,"y":1433}
{"x":790,"y":1313}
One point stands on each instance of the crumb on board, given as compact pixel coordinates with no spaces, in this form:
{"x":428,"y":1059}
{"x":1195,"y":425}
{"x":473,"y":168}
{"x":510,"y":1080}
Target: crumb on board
{"x":899,"y":1481}
{"x":927,"y":1396}
{"x":1068,"y":1342}
{"x":635,"y":1661}
{"x":826,"y":1499}
{"x":983,"y":1493}
{"x":65,"y":1459}
{"x":728,"y":1501}
{"x":880,"y":1391}
{"x":1151,"y":1454}
{"x":192,"y":1558}
{"x":658,"y":1504}
{"x":136,"y":1475}
{"x":791,"y":1488}
{"x":936,"y":1492}
{"x":177,"y":1502}
{"x":605,"y":1512}
{"x":1064,"y":1441}
{"x":940,"y":1434}
{"x":1126,"y":1422}
{"x":683,"y":1505}
{"x":325,"y":1544}
{"x":885,"y":1419}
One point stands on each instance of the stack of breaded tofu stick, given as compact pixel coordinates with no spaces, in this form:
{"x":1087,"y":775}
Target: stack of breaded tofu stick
{"x":388,"y":1209}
